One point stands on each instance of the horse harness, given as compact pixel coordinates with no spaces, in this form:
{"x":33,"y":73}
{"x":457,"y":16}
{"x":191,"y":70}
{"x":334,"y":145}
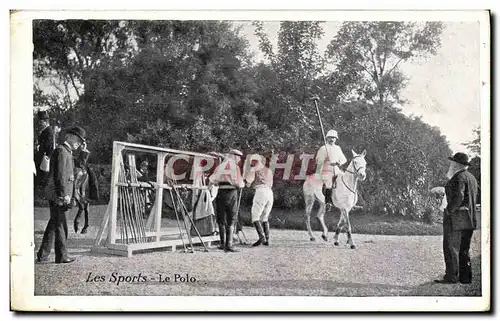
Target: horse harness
{"x":356,"y":172}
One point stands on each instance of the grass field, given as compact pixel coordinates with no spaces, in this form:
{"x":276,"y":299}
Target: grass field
{"x":361,"y":223}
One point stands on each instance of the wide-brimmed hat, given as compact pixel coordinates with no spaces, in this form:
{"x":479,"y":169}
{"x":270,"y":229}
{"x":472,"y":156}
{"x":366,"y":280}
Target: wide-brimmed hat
{"x":332,"y":133}
{"x":43,"y":115}
{"x":460,"y":158}
{"x":77,"y":131}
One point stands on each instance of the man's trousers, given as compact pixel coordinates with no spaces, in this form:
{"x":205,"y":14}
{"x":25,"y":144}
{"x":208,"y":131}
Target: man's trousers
{"x":262,"y":204}
{"x":227,"y":215}
{"x":456,"y":245}
{"x":56,"y":230}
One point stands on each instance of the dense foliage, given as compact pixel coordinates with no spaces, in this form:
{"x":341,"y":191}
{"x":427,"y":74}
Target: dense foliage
{"x":193,"y":85}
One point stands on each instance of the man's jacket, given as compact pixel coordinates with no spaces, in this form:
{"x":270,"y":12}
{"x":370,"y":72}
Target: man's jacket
{"x":61,"y":178}
{"x":461,"y":195}
{"x":46,"y":142}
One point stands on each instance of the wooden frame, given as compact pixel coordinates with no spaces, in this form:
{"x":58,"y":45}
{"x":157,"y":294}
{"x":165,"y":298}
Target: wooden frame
{"x":119,"y":246}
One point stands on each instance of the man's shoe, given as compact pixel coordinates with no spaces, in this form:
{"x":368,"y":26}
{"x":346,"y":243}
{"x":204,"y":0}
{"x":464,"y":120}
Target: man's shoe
{"x":466,"y":281}
{"x":230,"y":249}
{"x":445,"y":281}
{"x":68,"y":260}
{"x":259,"y":242}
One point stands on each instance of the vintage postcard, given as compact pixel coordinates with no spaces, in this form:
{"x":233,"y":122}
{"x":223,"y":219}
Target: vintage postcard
{"x":250,"y":161}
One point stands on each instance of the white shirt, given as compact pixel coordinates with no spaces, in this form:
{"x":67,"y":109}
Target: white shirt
{"x":335,"y":155}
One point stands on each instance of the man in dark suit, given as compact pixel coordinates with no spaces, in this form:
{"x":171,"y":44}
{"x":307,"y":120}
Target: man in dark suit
{"x":45,"y":146}
{"x":60,"y":192}
{"x":459,"y":220}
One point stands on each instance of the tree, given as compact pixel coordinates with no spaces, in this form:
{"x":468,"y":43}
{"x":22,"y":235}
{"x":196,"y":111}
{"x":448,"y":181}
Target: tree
{"x":288,"y":81}
{"x":475,"y":145}
{"x":67,"y":52}
{"x":367,"y":56}
{"x":475,"y":163}
{"x":203,"y":98}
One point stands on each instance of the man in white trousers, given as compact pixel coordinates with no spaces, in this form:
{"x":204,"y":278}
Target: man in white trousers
{"x":328,"y":159}
{"x":261,"y":178}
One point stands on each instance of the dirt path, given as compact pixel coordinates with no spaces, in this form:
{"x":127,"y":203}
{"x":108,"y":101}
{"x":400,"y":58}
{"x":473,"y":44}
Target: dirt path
{"x":291,"y":265}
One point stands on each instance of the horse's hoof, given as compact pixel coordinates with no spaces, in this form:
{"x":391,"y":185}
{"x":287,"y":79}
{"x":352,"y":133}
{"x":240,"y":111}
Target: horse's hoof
{"x":336,"y":243}
{"x":75,"y":227}
{"x":84,"y":230}
{"x":353,"y":246}
{"x":312,"y":239}
{"x":324,"y":238}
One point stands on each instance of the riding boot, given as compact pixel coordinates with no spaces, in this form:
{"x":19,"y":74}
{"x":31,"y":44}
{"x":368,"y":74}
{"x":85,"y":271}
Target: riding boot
{"x":229,"y":239}
{"x":222,"y":236}
{"x":260,"y":232}
{"x":328,"y":195}
{"x":266,"y":232}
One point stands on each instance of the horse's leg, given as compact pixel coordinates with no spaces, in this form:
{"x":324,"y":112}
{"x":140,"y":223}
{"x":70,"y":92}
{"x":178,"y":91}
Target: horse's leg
{"x":309,"y":200}
{"x":338,"y":229}
{"x":321,"y":219}
{"x":86,"y":209}
{"x":77,"y":217}
{"x":349,"y":234}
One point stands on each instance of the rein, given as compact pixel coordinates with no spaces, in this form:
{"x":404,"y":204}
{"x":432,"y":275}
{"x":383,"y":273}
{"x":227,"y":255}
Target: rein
{"x":356,"y":172}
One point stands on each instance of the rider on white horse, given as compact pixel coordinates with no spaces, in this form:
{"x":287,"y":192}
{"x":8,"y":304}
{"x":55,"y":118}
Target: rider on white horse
{"x":328,"y":159}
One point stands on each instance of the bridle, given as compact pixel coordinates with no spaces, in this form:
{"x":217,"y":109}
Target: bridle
{"x":356,"y":174}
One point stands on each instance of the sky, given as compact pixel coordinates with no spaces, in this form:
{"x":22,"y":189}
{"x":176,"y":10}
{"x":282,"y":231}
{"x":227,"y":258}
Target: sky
{"x":444,"y":89}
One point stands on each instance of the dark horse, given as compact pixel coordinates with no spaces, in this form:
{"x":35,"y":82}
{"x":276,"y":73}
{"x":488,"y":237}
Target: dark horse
{"x":86,"y":189}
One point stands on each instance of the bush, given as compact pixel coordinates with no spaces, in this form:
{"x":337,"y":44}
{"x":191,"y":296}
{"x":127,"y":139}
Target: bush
{"x":288,"y":195}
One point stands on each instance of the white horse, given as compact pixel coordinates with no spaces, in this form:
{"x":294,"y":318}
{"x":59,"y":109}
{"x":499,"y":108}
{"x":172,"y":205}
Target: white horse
{"x":344,"y":197}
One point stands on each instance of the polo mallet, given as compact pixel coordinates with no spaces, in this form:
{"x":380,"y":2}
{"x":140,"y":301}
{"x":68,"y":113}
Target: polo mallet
{"x":238,"y":222}
{"x":315,"y":99}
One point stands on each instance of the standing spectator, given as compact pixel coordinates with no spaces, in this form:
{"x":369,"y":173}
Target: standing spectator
{"x":143,"y":172}
{"x":60,"y":193}
{"x":45,"y":146}
{"x":459,"y":220}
